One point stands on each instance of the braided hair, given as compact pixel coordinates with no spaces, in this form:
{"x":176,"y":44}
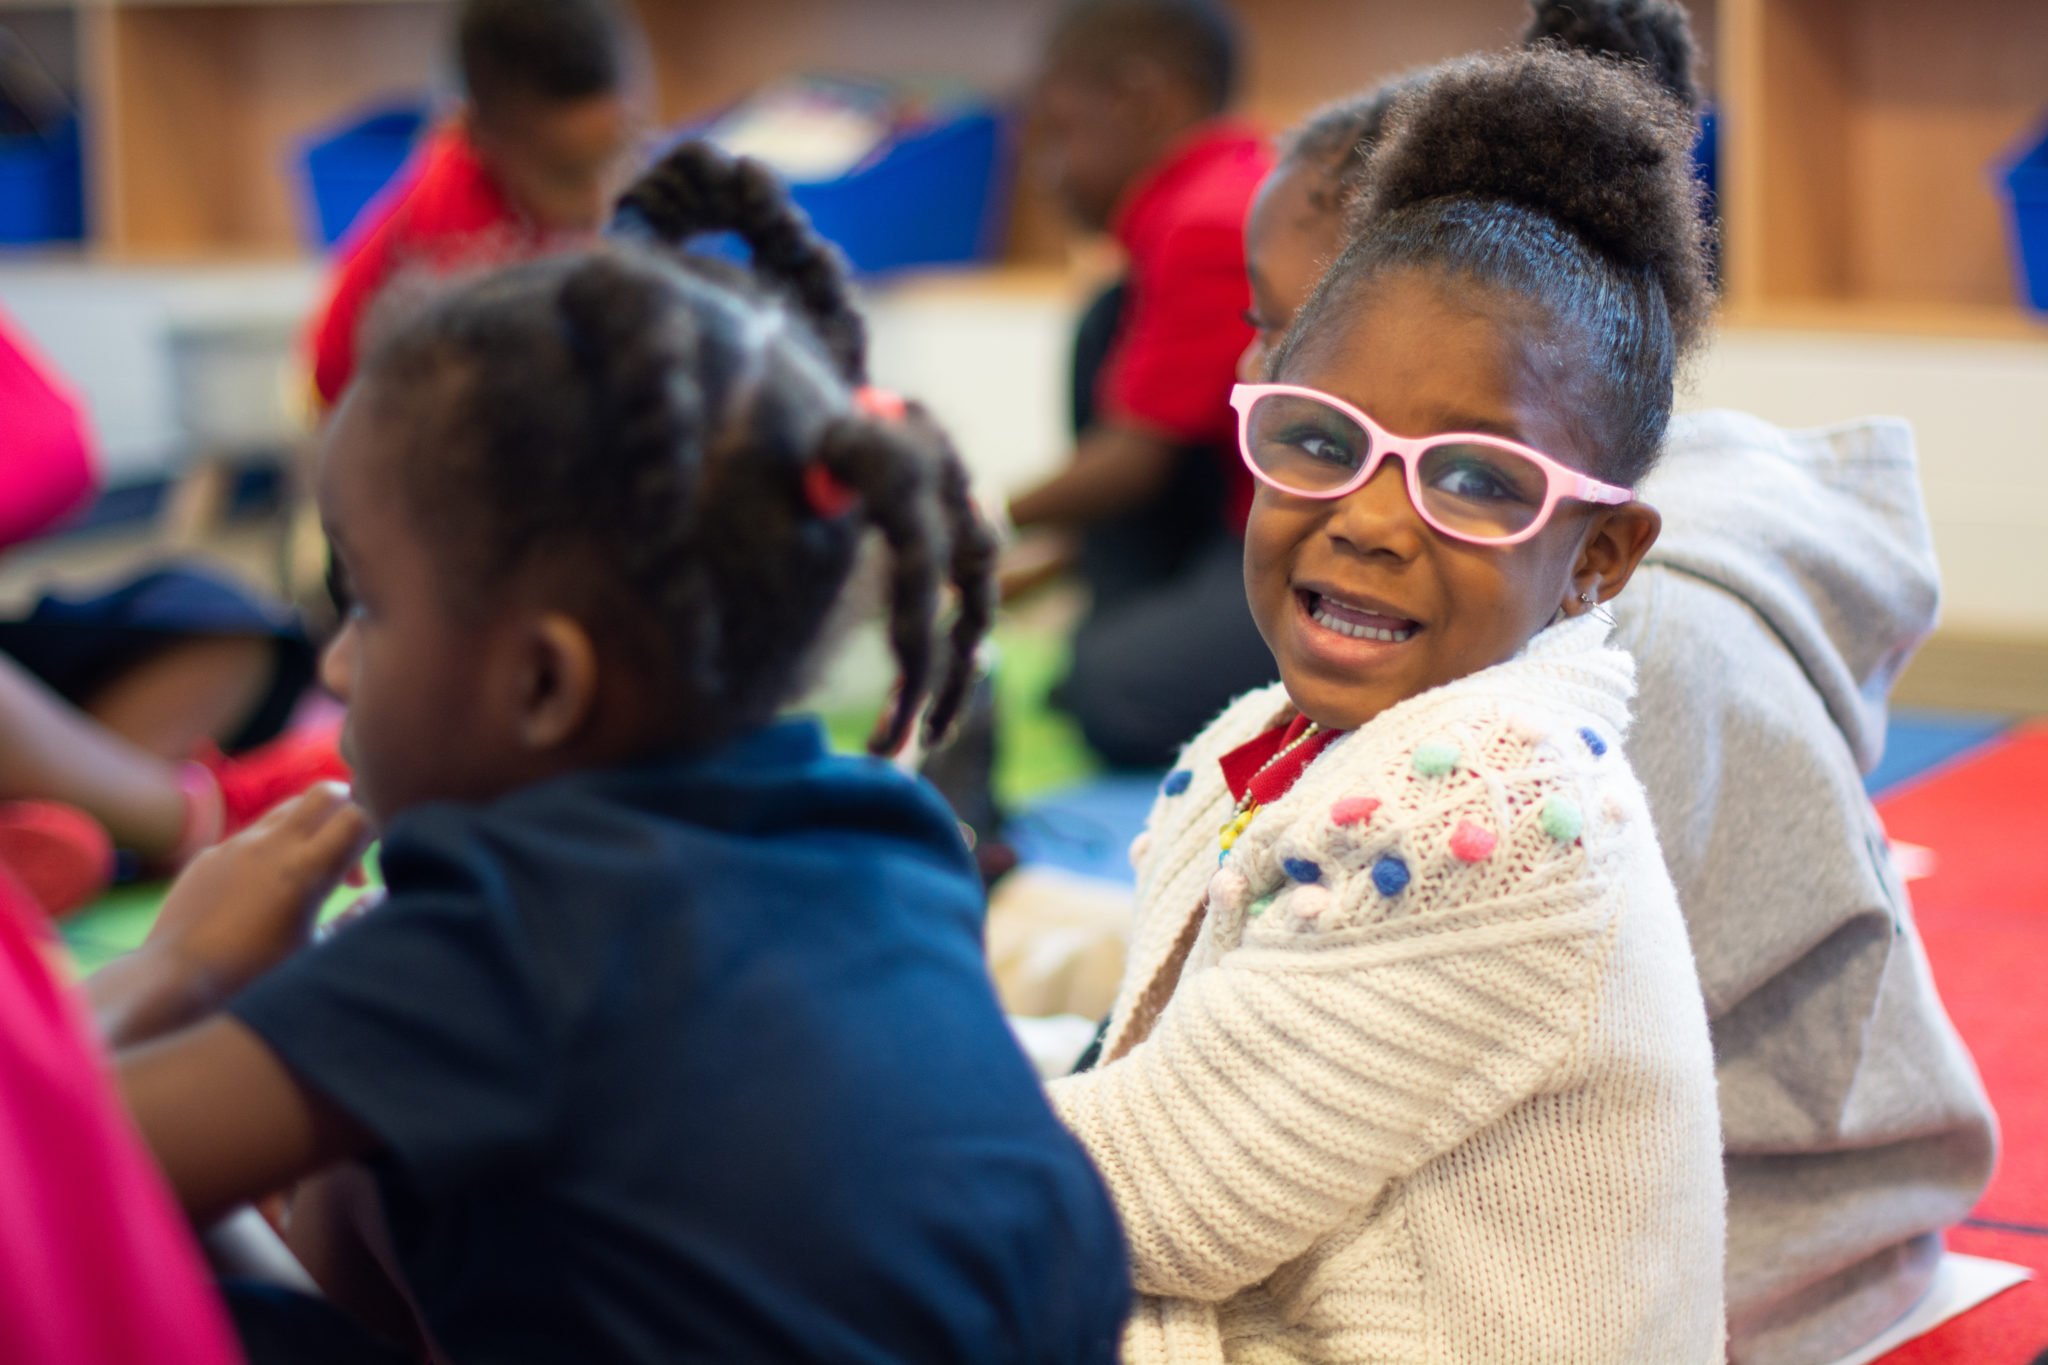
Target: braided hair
{"x":683,"y":447}
{"x":1655,"y":35}
{"x":1563,"y":183}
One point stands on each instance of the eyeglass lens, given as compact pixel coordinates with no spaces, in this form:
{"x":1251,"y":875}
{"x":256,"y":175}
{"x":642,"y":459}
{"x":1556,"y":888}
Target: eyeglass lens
{"x":1473,"y":488}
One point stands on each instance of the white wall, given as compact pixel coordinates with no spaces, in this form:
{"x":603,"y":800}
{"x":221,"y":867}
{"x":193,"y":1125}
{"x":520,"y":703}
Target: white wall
{"x":110,"y":330}
{"x":990,"y":356}
{"x":1980,"y":410}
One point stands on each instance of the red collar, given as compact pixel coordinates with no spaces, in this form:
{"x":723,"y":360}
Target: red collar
{"x":1245,"y":770}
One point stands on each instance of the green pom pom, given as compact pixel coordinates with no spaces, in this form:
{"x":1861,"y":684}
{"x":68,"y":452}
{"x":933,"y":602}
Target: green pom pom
{"x":1561,"y":819}
{"x":1262,"y":904}
{"x":1438,"y":758}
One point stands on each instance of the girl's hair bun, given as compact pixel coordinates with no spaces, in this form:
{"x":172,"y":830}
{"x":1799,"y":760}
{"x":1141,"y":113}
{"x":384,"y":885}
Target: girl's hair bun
{"x":1654,"y":33}
{"x":1591,"y":145}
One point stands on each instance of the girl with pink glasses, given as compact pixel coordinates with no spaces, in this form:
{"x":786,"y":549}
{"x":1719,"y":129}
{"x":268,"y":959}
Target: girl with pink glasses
{"x":1793,"y":578}
{"x":1410,"y":1061}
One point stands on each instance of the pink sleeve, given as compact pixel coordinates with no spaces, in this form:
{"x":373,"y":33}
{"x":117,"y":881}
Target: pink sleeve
{"x":97,"y":1266}
{"x":46,"y":461}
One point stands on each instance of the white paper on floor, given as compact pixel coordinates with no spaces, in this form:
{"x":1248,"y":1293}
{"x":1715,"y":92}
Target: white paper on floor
{"x":1960,"y":1284}
{"x":1914,"y":861}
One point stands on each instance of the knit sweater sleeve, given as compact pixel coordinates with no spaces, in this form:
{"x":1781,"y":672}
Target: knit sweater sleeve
{"x":1365,"y":1020}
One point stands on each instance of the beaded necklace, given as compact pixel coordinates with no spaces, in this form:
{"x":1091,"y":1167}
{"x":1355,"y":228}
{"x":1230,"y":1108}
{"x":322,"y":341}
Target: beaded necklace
{"x":1248,"y":804}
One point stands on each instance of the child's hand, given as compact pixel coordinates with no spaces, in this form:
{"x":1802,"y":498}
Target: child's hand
{"x":245,"y":905}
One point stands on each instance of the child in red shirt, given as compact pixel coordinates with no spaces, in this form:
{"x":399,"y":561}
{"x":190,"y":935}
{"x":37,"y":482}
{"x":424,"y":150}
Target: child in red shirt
{"x":106,"y":695}
{"x":537,"y":153}
{"x":1131,"y":110}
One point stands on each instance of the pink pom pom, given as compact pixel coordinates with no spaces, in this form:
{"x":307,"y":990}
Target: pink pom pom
{"x":1229,"y":891}
{"x":1307,"y":907}
{"x":1471,"y":842}
{"x":1354,"y":810}
{"x":1141,"y":849}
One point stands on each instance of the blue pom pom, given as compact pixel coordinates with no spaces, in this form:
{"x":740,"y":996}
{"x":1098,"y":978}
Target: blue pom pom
{"x":1302,"y":870}
{"x":1593,"y":741}
{"x":1176,"y":782}
{"x":1390,"y":875}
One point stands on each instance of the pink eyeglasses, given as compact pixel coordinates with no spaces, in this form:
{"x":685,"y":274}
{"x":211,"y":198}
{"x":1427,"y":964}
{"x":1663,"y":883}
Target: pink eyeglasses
{"x":1467,"y":485}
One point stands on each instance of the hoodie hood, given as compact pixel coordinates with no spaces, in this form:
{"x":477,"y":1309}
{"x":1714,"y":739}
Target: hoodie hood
{"x":1823,"y":533}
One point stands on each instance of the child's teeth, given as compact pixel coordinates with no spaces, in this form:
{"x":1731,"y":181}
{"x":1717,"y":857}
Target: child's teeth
{"x":1360,"y":632}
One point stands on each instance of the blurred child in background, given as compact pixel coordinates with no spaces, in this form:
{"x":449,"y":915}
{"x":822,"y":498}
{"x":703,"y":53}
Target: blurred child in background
{"x":1133,"y":118}
{"x":543,"y":143}
{"x":115,"y":703}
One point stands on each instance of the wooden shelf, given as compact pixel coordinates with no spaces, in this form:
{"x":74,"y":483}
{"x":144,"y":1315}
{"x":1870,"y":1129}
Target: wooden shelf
{"x":1857,"y":138}
{"x":1861,"y":138}
{"x":1891,"y":317}
{"x":199,"y":108}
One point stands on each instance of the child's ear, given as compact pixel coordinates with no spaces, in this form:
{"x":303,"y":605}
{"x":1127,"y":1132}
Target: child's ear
{"x":1616,"y":540}
{"x":559,"y":686}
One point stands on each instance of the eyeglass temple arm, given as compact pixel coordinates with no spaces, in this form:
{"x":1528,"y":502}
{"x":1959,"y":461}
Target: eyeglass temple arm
{"x":1592,"y":490}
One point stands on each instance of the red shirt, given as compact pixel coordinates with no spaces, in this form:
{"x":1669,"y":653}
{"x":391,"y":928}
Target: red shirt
{"x":97,"y":1265}
{"x":1258,"y":768}
{"x":444,"y":210}
{"x":1175,"y":355}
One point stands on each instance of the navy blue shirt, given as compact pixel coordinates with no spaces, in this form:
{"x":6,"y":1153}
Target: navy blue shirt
{"x":699,"y":1060}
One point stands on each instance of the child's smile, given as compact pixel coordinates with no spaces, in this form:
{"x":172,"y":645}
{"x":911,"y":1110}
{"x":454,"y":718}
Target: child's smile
{"x":1354,"y":619}
{"x":1361,"y":602}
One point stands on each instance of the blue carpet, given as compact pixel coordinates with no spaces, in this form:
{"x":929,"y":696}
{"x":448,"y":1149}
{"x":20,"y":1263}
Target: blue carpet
{"x":1917,"y":742}
{"x":1086,"y":828}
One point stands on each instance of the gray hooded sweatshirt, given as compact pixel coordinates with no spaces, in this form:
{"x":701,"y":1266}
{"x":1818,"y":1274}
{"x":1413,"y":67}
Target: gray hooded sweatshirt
{"x":1793,"y":579}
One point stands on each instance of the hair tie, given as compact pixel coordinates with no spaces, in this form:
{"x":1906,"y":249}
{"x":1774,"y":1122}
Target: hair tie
{"x":828,"y":495}
{"x":884,"y":405}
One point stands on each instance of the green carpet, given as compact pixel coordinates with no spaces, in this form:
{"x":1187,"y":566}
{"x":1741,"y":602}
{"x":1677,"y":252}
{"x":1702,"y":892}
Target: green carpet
{"x":1037,"y":751}
{"x":1037,"y":748}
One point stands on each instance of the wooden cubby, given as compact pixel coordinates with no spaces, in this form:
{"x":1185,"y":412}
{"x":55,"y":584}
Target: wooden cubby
{"x":1860,"y":137}
{"x":1857,"y":141}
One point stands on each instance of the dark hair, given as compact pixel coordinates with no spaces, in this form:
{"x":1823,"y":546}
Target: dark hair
{"x":557,"y":50}
{"x":670,"y":439}
{"x":1564,"y":182}
{"x":1194,"y":39}
{"x":1339,"y":138}
{"x":1654,"y":34}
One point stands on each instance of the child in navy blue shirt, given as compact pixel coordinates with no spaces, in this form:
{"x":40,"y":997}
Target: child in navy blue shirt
{"x":672,"y":1041}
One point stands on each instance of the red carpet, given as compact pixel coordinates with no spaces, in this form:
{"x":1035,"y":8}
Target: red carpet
{"x":1983,"y":912}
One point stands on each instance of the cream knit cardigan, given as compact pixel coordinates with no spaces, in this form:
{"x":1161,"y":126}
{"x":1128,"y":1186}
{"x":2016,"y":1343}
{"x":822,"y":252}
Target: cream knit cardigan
{"x":1433,"y":1084}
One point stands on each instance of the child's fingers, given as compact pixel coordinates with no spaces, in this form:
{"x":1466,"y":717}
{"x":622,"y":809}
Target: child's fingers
{"x":339,"y":842}
{"x":300,"y":814}
{"x":310,"y":809}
